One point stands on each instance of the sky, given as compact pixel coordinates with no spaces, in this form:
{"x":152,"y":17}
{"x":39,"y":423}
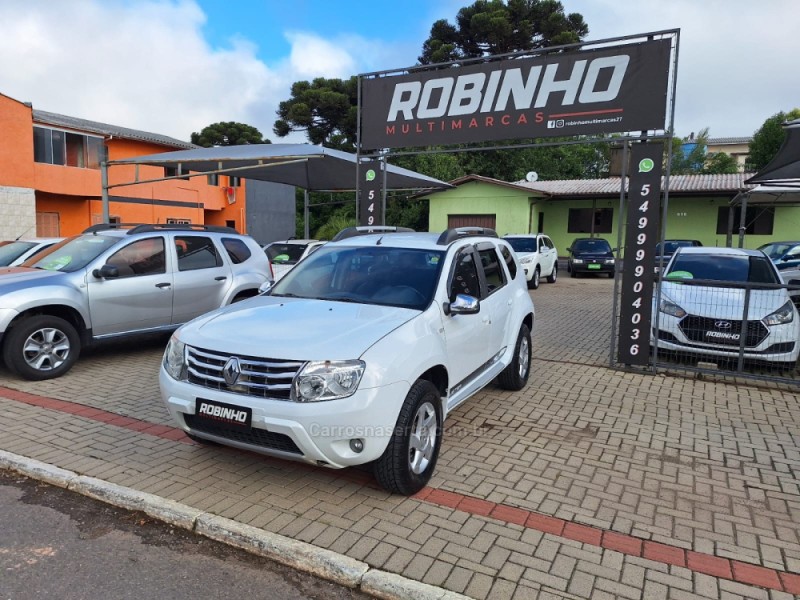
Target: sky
{"x":174,"y":66}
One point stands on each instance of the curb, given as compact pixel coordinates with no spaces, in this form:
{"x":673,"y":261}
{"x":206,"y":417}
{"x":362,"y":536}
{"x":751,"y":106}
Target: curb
{"x":302,"y":556}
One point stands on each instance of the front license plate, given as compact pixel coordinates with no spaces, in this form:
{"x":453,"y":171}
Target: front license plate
{"x":219,"y":412}
{"x":594,"y":266}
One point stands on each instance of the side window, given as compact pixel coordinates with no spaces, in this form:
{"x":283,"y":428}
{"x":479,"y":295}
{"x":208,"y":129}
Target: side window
{"x":495,"y":278}
{"x":196,"y":252}
{"x":512,"y":266}
{"x":547,"y":243}
{"x":142,"y":257}
{"x":465,"y":278}
{"x":237,"y":250}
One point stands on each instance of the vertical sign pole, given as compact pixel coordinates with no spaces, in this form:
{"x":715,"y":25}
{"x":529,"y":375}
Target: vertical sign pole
{"x":641,"y":233}
{"x":371,"y":193}
{"x":104,"y":183}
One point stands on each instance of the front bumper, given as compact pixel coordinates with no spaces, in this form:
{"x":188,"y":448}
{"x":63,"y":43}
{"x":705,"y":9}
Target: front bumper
{"x":313,"y":432}
{"x":597,"y":267}
{"x":780,"y":344}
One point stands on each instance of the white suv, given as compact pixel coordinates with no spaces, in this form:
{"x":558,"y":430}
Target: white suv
{"x":286,"y":254}
{"x":538,"y":256}
{"x":358,"y":354}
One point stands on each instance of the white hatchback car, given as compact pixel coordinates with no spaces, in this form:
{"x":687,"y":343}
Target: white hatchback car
{"x":16,"y":252}
{"x":286,"y":254}
{"x":538,"y":255}
{"x":705,"y":317}
{"x":359,"y":353}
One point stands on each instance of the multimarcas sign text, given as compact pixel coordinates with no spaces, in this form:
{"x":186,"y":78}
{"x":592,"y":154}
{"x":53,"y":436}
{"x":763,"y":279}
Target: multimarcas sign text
{"x":615,"y":89}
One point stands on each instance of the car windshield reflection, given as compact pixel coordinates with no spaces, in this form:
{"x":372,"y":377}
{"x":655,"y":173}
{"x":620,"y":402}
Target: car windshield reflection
{"x":386,"y":276}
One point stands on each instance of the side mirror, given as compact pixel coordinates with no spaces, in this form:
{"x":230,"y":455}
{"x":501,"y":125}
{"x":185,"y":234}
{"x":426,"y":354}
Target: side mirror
{"x":106,"y":272}
{"x":462,"y":305}
{"x":265,"y":287}
{"x":614,"y":249}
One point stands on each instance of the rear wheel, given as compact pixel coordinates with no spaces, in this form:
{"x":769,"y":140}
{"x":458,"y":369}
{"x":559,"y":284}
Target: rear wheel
{"x":407,"y":463}
{"x":41,"y":347}
{"x":515,"y":376}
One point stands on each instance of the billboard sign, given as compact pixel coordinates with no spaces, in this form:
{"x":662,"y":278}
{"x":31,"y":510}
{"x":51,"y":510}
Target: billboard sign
{"x":603,"y":90}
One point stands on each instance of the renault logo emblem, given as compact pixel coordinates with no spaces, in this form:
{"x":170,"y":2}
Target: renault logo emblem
{"x":231,"y":371}
{"x":722,"y":324}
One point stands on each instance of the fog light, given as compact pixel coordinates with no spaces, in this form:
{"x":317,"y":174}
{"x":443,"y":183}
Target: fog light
{"x":356,"y":445}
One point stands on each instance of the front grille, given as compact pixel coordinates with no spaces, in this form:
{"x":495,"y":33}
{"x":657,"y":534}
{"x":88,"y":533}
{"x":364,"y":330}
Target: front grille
{"x":260,"y":377}
{"x":252,"y":436}
{"x":697,"y":328}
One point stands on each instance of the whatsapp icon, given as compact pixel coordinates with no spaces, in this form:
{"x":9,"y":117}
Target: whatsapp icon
{"x":646,"y":165}
{"x":370,"y":175}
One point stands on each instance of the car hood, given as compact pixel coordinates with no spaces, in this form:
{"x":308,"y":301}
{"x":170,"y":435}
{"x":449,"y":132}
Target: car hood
{"x":14,"y":277}
{"x":723,"y":303}
{"x":295,"y":328}
{"x":591,"y":255}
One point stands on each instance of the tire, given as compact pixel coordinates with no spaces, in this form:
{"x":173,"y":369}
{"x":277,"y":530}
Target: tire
{"x":573,"y":274}
{"x":611,"y":275}
{"x":403,"y":469}
{"x":533,"y":284}
{"x":554,"y":275}
{"x":41,"y":347}
{"x":515,"y":376}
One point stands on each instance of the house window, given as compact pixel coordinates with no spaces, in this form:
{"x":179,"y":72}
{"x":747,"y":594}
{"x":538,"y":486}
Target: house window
{"x":580,"y":220}
{"x":178,"y":222}
{"x":456,"y":221}
{"x":170,"y":171}
{"x":234,"y":181}
{"x":56,"y":147}
{"x":758,"y":220}
{"x":213,"y":179}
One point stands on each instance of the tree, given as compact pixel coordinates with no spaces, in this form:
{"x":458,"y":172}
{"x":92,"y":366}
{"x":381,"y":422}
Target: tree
{"x":228,"y":133}
{"x":496,"y":27}
{"x":690,"y":157}
{"x":768,"y":139}
{"x":326,"y":109}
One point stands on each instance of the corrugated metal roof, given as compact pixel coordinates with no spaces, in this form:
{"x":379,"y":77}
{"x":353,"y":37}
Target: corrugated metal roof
{"x":729,"y":140}
{"x":677,"y":183}
{"x":47,"y":118}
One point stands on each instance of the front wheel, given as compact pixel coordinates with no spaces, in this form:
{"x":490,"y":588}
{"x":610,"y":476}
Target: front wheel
{"x":407,"y":463}
{"x":41,"y":347}
{"x":554,"y":275}
{"x":515,"y":376}
{"x":534,"y":282}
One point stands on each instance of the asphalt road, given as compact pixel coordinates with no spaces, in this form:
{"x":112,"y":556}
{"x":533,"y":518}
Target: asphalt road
{"x":58,"y":544}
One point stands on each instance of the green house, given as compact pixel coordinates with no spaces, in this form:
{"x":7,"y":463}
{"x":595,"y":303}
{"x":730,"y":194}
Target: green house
{"x":700,"y":207}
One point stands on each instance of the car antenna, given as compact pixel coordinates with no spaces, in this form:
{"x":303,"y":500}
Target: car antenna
{"x":23,"y":233}
{"x":380,"y":239}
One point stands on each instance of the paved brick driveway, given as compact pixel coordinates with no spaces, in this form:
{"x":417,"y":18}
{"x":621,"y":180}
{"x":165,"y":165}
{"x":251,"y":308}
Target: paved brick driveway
{"x":588,"y":483}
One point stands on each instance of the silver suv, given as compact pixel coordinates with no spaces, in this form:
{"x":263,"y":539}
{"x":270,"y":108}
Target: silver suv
{"x":116,"y":280}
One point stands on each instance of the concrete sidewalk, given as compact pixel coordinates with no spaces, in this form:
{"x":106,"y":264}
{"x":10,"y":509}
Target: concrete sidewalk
{"x":590,"y":483}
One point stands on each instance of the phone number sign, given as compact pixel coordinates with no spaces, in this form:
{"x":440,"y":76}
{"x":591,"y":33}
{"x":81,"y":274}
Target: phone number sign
{"x":639,"y":260}
{"x":371,"y":193}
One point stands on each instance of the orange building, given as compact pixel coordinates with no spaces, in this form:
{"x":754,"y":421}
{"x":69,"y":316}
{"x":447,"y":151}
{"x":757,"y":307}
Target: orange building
{"x":50,"y":182}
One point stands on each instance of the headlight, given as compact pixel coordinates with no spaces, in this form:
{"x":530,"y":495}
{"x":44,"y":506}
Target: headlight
{"x":577,"y":261}
{"x":609,"y":261}
{"x":672,"y":309}
{"x":783,"y":315}
{"x":175,"y":359}
{"x":327,"y":380}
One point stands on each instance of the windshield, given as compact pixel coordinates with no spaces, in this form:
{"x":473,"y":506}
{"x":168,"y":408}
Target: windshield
{"x":777,"y":249}
{"x":11,"y":251}
{"x":522,"y":244}
{"x":738,"y":269}
{"x":672,"y":245}
{"x":72,"y":254}
{"x":591,"y":245}
{"x":285,"y":254}
{"x":400,"y":277}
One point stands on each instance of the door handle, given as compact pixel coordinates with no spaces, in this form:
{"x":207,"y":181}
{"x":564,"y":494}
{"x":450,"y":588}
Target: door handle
{"x":220,"y":278}
{"x":163,"y":285}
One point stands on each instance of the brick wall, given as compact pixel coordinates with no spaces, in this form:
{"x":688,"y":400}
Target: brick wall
{"x":18,"y":210}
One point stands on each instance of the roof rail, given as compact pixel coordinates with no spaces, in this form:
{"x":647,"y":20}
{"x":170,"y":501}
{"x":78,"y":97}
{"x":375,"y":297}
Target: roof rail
{"x":107,"y":226}
{"x":367,"y":230}
{"x":145,"y":227}
{"x":451,"y":235}
{"x":181,"y":227}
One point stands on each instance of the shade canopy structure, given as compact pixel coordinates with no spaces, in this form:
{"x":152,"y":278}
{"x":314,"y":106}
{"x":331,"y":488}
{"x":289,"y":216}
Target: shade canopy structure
{"x":312,"y":168}
{"x":784,"y":169}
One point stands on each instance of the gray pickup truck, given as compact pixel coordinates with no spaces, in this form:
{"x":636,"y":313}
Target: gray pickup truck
{"x":117,"y":280}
